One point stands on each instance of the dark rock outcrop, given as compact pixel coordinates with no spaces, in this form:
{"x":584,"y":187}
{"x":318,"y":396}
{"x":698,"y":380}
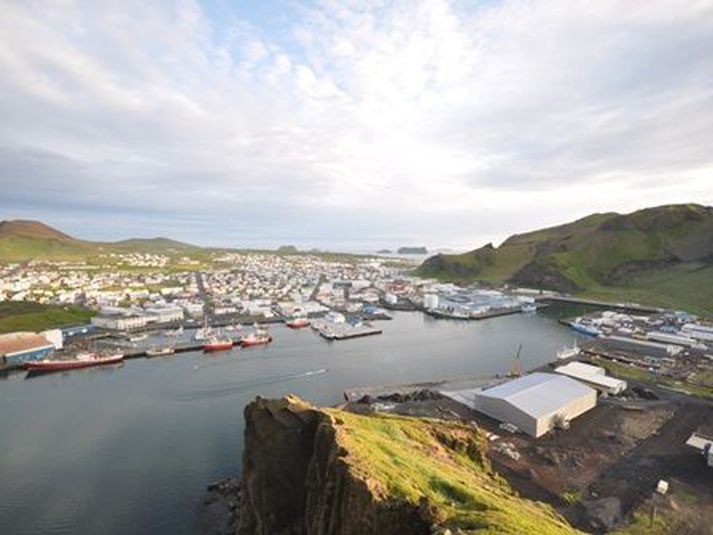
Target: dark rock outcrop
{"x":295,"y":480}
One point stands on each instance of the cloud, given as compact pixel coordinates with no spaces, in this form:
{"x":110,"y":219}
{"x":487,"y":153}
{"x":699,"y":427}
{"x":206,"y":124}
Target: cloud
{"x":446,"y":123}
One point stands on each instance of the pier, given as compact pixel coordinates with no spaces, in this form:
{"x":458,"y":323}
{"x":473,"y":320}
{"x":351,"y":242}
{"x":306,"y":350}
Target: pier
{"x":344,"y":331}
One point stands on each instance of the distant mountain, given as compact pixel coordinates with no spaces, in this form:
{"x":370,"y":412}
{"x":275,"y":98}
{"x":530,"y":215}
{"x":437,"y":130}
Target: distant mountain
{"x":27,"y":240}
{"x":412,"y":250}
{"x":383,"y":251}
{"x":661,"y":255}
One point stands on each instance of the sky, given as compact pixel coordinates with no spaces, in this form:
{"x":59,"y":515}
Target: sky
{"x":350,"y":125}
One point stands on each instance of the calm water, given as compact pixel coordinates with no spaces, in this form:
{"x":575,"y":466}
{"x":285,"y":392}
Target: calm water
{"x":131,"y":449}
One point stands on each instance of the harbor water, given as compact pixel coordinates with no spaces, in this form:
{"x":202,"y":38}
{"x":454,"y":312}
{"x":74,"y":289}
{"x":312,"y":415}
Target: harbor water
{"x":130,"y":449}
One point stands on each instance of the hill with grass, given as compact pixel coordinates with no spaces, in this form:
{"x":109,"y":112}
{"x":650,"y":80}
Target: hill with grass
{"x":27,"y":240}
{"x":312,"y":470}
{"x":660,"y":256}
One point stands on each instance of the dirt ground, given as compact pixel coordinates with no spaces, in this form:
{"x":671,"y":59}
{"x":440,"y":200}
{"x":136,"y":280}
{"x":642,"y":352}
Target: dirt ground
{"x":613,"y":455}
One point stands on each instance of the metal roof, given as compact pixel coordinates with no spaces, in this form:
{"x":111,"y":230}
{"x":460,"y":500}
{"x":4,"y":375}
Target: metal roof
{"x":539,"y":394}
{"x":19,"y":342}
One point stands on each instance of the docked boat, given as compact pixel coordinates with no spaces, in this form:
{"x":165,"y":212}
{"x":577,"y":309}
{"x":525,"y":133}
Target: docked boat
{"x":160,"y":351}
{"x":202,"y":334}
{"x":528,"y":308}
{"x":217,"y":345}
{"x":256,"y":339}
{"x":83,"y":360}
{"x":297,"y":323}
{"x":568,"y":352}
{"x":585,"y":328}
{"x":138,"y":337}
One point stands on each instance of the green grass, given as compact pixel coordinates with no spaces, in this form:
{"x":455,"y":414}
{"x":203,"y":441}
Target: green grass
{"x":634,"y":373}
{"x":656,"y":257}
{"x":641,"y":525}
{"x":36,"y":317}
{"x":444,"y":463}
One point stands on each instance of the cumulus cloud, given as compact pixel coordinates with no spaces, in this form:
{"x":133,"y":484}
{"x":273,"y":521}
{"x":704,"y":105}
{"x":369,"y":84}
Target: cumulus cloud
{"x":351,"y":123}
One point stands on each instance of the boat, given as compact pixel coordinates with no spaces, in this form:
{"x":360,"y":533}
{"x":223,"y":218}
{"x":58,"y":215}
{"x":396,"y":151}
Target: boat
{"x":585,"y":328}
{"x":83,"y":360}
{"x":567,"y":352}
{"x":528,"y":308}
{"x":160,"y":351}
{"x":297,"y":323}
{"x":217,"y":345}
{"x":256,"y":339}
{"x":202,"y":334}
{"x":138,"y":337}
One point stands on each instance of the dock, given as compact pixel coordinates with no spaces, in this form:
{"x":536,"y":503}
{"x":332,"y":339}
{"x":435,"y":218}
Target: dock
{"x":344,"y":331}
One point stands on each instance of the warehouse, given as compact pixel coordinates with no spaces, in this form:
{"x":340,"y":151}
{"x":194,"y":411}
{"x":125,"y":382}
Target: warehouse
{"x":639,"y":347}
{"x":536,"y":403}
{"x":19,"y":347}
{"x":593,"y":376}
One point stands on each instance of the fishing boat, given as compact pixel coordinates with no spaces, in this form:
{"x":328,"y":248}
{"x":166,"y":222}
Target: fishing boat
{"x":585,"y":328}
{"x":297,"y":323}
{"x":83,"y":360}
{"x":160,"y":351}
{"x":217,"y":345}
{"x":256,"y":339}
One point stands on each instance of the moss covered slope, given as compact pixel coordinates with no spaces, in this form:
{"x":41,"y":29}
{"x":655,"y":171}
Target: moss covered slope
{"x":662,"y":256}
{"x":322,"y":471}
{"x":441,"y":467}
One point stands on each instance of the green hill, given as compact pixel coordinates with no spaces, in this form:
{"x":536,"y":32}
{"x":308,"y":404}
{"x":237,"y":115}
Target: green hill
{"x":27,"y":240}
{"x":660,"y":256}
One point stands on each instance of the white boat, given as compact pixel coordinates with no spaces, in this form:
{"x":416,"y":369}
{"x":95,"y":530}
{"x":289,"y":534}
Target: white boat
{"x":528,"y":307}
{"x":568,"y":352}
{"x":203,"y":334}
{"x":138,"y":337}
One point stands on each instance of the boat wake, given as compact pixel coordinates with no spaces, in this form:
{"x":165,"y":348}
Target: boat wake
{"x":245,"y":386}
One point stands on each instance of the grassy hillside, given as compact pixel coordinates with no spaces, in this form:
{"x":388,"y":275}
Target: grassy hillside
{"x":661,"y":256}
{"x":27,"y":240}
{"x":37,"y":317}
{"x":441,"y":466}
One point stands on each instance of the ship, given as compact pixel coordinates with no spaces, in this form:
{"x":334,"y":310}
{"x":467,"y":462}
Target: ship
{"x":217,"y":345}
{"x":297,"y":323}
{"x":138,"y":338}
{"x":585,"y":328}
{"x":256,"y":339}
{"x":83,"y":360}
{"x":160,"y":351}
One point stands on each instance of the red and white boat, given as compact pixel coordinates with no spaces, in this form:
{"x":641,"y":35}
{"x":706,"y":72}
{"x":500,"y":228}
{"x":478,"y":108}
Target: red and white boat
{"x":83,"y":360}
{"x":258,"y":338}
{"x":297,"y":323}
{"x":217,"y":345}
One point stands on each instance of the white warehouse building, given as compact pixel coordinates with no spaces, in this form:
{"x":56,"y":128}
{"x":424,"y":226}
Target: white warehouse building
{"x":594,"y":376}
{"x":536,"y":403}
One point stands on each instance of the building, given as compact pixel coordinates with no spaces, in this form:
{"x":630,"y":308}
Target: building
{"x":119,"y":322}
{"x":593,"y":376}
{"x":643,"y":348}
{"x":430,"y":301}
{"x":19,"y":347}
{"x":54,"y":337}
{"x":536,"y":403}
{"x":165,"y":314}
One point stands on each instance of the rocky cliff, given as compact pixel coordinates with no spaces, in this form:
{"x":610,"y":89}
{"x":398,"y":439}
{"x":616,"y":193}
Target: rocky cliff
{"x":310,"y":471}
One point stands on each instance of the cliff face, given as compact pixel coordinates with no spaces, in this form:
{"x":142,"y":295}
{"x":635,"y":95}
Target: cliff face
{"x":309,"y":471}
{"x":296,"y":480}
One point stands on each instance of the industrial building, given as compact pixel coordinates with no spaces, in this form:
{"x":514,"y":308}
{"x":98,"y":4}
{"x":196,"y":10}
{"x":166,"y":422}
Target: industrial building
{"x":643,"y":348}
{"x":535,"y":403}
{"x":19,"y":347}
{"x":593,"y":376}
